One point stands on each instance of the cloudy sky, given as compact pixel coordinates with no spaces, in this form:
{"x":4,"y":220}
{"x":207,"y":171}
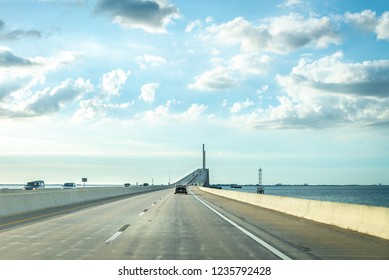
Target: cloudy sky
{"x":129,"y":90}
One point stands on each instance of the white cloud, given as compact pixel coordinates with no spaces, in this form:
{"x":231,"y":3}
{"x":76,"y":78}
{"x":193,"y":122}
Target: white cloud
{"x":97,"y":109}
{"x":113,"y":81}
{"x":148,"y":92}
{"x":33,"y":66}
{"x":157,"y":116}
{"x":192,"y":25}
{"x":57,"y":62}
{"x":89,"y":109}
{"x":100,"y":106}
{"x":51,"y":100}
{"x":238,"y":106}
{"x":20,"y":76}
{"x":229,"y":73}
{"x":263,"y":89}
{"x":382,"y":28}
{"x":331,"y":75}
{"x":164,"y":115}
{"x":9,"y":59}
{"x":17,"y":34}
{"x":249,"y":63}
{"x":329,"y":92}
{"x":368,"y":20}
{"x":239,"y":32}
{"x":150,"y":61}
{"x":152,"y":16}
{"x":193,"y":112}
{"x":220,"y":78}
{"x":282,"y":34}
{"x":290,"y":3}
{"x":209,"y":19}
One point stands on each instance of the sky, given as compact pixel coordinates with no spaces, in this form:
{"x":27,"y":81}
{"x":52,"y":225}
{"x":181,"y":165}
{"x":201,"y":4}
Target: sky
{"x":129,"y":90}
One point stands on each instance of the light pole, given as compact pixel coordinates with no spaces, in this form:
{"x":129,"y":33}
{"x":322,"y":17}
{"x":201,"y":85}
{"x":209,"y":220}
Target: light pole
{"x":260,"y":188}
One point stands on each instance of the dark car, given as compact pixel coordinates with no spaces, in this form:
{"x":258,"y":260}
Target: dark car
{"x":180,"y":189}
{"x":34,"y":185}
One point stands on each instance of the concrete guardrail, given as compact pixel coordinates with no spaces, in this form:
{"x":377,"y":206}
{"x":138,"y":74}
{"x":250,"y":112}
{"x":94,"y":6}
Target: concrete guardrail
{"x":361,"y":218}
{"x":28,"y":201}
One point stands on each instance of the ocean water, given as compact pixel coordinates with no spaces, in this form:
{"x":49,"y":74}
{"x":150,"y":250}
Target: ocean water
{"x":373,"y":195}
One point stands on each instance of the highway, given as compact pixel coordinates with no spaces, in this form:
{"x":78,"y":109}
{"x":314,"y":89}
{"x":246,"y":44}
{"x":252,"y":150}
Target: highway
{"x":164,"y":225}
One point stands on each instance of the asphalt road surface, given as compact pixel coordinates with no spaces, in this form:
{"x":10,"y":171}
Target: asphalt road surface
{"x":164,"y":225}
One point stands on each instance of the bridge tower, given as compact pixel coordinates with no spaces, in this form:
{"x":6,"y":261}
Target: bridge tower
{"x":203,"y":156}
{"x":206,"y":182}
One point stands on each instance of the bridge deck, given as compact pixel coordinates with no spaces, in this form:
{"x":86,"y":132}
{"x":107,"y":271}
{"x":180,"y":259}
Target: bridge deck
{"x":164,"y":225}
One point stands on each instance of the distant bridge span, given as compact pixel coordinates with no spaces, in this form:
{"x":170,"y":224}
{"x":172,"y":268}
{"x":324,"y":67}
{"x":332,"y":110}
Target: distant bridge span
{"x":199,"y":177}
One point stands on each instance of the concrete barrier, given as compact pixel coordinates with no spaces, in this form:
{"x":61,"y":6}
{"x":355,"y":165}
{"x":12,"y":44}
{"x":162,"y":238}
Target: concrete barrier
{"x":361,"y":218}
{"x":28,"y":201}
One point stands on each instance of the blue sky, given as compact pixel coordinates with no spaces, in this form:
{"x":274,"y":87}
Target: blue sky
{"x":129,"y":90}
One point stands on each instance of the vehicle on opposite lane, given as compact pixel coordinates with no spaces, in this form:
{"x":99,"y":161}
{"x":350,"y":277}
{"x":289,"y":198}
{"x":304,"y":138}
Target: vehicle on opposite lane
{"x":69,"y":186}
{"x":34,"y":185}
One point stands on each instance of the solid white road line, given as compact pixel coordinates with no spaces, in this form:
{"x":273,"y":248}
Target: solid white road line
{"x":249,"y":234}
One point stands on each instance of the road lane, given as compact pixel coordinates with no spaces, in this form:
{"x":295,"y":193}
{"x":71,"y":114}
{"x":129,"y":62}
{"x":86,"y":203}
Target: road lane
{"x":182,"y":228}
{"x":74,"y":236}
{"x":263,"y":243}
